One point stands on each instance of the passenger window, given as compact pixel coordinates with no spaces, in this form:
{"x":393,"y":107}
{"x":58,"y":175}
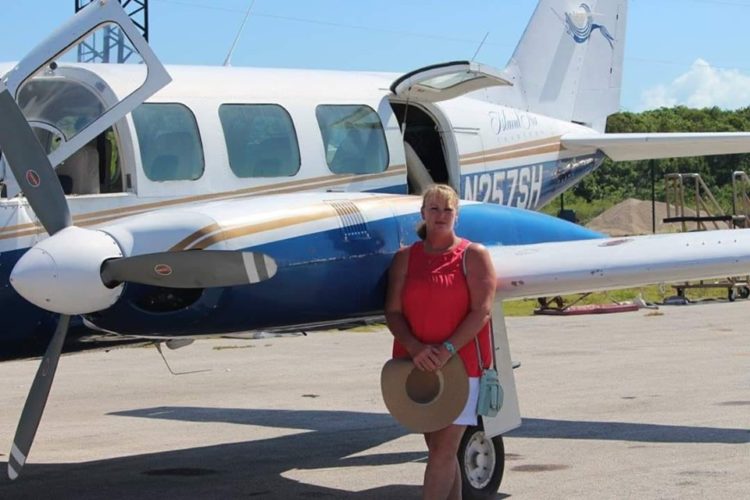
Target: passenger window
{"x":353,"y":139}
{"x":261,"y":141}
{"x":170,"y":145}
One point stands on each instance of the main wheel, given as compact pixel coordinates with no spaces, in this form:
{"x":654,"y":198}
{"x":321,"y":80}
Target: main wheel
{"x":482,"y":463}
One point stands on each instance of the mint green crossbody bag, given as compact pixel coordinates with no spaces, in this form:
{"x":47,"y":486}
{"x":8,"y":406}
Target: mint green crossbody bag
{"x":490,"y":391}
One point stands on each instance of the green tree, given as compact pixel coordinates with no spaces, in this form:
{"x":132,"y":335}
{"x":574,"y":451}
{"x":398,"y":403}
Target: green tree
{"x":614,"y":182}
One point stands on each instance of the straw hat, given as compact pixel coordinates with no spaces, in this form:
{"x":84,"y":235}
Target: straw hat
{"x":424,"y":401}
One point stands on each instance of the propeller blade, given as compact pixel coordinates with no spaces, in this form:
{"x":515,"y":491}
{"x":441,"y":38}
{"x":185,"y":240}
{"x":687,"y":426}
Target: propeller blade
{"x":36,"y":400}
{"x":30,"y":166}
{"x":190,"y":269}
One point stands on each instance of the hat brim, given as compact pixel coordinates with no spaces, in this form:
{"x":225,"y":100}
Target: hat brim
{"x":424,"y":401}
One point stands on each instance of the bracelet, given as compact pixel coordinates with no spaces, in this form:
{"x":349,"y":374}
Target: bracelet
{"x":450,"y":348}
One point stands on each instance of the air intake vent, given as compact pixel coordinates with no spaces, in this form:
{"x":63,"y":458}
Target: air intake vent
{"x":352,"y":222}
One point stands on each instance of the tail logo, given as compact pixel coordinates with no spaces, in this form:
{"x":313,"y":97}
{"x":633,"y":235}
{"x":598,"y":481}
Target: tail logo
{"x":580,"y":25}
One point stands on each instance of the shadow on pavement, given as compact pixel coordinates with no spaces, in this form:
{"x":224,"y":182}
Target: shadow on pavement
{"x":625,"y":431}
{"x":238,"y":470}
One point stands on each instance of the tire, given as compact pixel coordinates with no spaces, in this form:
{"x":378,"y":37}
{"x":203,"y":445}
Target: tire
{"x":731,"y":294}
{"x":744,"y":292}
{"x":482,"y":462}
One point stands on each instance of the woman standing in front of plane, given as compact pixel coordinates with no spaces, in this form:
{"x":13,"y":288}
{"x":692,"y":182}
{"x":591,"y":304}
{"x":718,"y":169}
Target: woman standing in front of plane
{"x":440,"y":294}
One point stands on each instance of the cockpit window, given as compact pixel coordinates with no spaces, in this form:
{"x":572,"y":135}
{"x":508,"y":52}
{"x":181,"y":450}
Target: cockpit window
{"x":261,"y":141}
{"x":60,"y":105}
{"x":170,"y":145}
{"x":353,"y":139}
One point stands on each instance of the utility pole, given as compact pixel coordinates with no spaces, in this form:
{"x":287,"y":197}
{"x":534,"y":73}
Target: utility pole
{"x":109,"y":43}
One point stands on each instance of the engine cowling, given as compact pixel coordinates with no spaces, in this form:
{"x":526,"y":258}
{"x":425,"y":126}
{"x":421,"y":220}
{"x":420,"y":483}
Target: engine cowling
{"x":63,"y":272}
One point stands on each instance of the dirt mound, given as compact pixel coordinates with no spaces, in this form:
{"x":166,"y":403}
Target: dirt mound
{"x":632,"y":217}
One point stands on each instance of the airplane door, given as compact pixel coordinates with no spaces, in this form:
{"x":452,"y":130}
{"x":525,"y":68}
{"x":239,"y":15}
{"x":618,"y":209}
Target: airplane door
{"x":440,"y":82}
{"x":434,"y":149}
{"x":67,"y":111}
{"x":470,"y":158}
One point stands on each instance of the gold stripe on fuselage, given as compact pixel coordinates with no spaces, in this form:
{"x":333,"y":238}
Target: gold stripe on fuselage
{"x":510,"y":153}
{"x":522,"y":146}
{"x":203,"y":238}
{"x":99,"y":217}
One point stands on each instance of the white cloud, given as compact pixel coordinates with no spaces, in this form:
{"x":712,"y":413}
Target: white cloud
{"x":702,"y":86}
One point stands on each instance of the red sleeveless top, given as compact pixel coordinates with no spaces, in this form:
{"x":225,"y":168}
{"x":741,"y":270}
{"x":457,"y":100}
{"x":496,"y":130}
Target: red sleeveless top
{"x":435,"y":300}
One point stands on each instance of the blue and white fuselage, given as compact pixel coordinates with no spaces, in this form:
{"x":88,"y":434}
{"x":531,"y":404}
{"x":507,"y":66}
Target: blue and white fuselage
{"x":488,"y":152}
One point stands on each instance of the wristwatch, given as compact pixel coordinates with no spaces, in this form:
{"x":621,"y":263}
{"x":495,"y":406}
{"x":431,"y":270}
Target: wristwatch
{"x":449,"y":347}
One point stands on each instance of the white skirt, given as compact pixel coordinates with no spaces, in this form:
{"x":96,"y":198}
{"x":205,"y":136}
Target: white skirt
{"x":469,"y":414}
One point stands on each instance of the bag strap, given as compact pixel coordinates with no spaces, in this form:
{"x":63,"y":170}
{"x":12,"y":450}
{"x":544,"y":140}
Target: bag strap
{"x":476,"y":337}
{"x":492,"y":348}
{"x":479,"y":352}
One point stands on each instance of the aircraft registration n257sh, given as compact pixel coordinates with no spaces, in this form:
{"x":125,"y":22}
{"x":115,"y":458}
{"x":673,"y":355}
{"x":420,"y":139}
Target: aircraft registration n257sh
{"x":147,"y":203}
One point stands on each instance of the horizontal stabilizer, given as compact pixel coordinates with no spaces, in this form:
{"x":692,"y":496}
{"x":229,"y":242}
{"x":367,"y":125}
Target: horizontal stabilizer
{"x":624,"y":147}
{"x":549,"y":269}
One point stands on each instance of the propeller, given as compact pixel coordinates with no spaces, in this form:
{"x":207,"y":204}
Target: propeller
{"x":36,"y":400}
{"x":31,"y":168}
{"x":191,"y":269}
{"x":89,"y":260}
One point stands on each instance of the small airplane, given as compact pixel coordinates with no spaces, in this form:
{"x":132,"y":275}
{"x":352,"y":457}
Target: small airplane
{"x":144,"y":203}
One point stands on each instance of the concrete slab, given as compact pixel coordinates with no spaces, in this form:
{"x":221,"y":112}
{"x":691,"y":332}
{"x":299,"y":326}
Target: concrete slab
{"x":624,"y":405}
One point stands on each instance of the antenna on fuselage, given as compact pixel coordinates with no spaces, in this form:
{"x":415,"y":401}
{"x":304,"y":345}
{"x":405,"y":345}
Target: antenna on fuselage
{"x":476,"y":53}
{"x":228,"y":60}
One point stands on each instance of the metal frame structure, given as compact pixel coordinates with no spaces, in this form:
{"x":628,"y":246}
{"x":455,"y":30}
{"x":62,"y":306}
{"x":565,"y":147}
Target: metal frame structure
{"x":110,"y":45}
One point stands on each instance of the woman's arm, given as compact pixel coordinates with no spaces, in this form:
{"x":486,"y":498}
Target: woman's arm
{"x":425,"y":357}
{"x":481,"y":280}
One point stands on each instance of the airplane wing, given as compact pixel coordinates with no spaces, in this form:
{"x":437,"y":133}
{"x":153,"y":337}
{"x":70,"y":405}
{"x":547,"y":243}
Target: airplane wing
{"x":548,"y":269}
{"x":623,"y":147}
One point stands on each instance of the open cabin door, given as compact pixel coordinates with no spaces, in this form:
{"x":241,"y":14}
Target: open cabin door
{"x":440,"y":82}
{"x":430,"y":146}
{"x":67,"y":104}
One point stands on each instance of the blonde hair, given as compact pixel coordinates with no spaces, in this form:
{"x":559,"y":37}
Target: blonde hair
{"x":441,"y":191}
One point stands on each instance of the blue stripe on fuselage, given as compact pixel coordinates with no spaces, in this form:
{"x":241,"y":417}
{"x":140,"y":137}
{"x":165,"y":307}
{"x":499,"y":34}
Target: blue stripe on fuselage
{"x":324,"y":277}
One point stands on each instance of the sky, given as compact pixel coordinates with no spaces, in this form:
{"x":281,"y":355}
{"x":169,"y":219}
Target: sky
{"x":678,"y":52}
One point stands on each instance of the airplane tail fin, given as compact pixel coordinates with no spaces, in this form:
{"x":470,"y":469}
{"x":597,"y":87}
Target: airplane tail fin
{"x":568,"y":63}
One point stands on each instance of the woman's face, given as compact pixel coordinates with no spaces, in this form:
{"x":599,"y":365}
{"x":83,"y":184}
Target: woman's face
{"x":439,"y":214}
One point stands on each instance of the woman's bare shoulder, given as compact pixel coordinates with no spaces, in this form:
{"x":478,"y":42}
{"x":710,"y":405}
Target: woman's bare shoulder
{"x":478,"y":258}
{"x":402,"y":253}
{"x":401,"y":257}
{"x":476,"y":250}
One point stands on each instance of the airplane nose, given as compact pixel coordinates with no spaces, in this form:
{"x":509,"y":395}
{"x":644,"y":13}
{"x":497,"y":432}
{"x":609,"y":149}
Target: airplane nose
{"x":63,"y":273}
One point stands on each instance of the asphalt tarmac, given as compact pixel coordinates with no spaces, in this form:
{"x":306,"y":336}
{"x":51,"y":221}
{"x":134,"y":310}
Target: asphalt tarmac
{"x":629,"y":405}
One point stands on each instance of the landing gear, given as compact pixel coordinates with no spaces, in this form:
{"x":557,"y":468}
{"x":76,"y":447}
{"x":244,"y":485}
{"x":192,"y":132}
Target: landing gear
{"x":482,"y":462}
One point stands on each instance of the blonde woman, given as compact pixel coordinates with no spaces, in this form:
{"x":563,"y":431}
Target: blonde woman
{"x":439,"y":299}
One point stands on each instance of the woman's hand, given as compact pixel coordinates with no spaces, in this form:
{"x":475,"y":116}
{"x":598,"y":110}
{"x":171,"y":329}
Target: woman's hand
{"x":430,"y":358}
{"x":426,"y":358}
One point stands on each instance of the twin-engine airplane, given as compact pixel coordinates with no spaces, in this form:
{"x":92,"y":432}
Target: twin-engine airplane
{"x":238,"y":199}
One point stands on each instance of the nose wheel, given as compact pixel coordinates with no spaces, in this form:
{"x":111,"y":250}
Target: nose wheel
{"x":482,"y":462}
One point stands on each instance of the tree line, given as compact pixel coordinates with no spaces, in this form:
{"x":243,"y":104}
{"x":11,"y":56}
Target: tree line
{"x":614,"y":182}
